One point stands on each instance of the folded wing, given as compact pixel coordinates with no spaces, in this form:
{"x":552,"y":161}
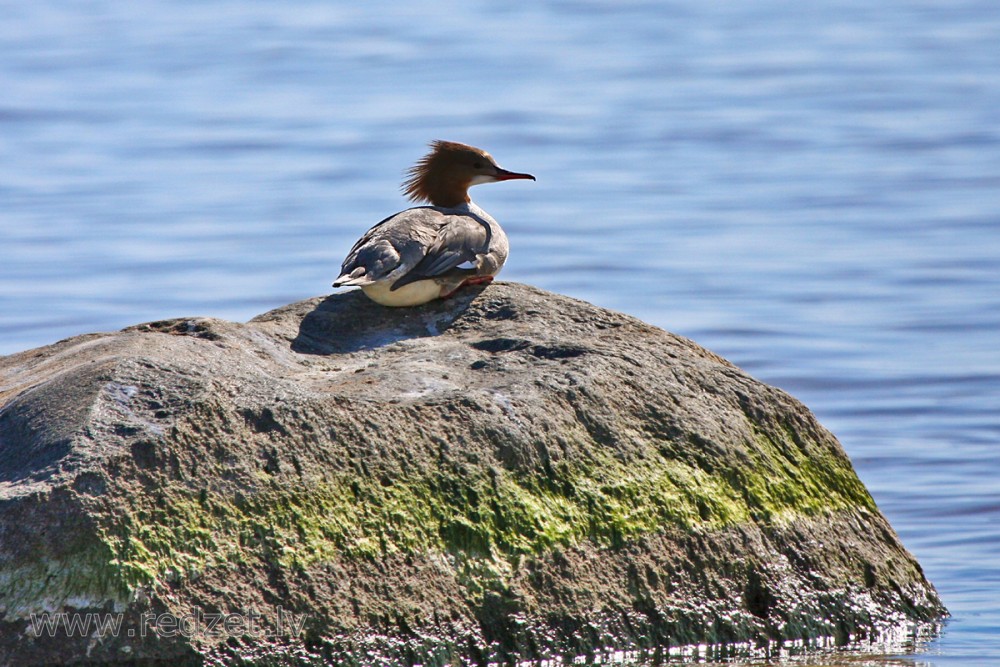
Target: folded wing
{"x":416,"y":244}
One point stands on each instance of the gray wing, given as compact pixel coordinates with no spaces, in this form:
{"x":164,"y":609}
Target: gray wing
{"x":418,"y":243}
{"x":461,"y":241}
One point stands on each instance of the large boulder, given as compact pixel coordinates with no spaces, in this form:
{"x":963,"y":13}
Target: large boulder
{"x":507,"y":473}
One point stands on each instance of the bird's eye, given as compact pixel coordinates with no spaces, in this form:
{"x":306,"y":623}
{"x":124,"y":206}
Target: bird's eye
{"x":477,"y":165}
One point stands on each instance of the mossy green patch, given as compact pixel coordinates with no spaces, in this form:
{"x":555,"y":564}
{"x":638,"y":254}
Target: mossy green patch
{"x":487,"y":517}
{"x":787,"y":480}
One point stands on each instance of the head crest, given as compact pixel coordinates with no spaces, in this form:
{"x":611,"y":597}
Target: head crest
{"x":427,"y":180}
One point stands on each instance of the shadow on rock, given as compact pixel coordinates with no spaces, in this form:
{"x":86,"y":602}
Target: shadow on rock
{"x":37,"y":430}
{"x":349,"y":322}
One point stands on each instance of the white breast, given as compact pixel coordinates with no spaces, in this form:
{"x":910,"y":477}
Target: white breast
{"x":413,"y":294}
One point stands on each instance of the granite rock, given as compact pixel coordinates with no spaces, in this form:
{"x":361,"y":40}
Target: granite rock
{"x":506,"y":474}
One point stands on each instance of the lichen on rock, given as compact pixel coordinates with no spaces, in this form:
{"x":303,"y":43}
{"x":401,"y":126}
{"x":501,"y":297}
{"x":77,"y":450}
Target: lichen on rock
{"x":506,"y":474}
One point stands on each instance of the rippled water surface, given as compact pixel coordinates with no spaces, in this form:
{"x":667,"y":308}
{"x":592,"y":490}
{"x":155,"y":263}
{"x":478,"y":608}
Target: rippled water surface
{"x":810,"y":189}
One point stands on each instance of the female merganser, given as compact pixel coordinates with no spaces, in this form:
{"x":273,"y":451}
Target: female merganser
{"x":428,"y":252}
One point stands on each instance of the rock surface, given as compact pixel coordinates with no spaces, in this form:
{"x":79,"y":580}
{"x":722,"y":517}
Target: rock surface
{"x":506,"y":473}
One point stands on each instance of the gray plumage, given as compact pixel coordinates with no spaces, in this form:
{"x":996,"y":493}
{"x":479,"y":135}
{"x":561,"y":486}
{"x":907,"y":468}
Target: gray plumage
{"x":427,"y":242}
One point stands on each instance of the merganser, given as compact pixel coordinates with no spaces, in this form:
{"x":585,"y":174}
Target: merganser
{"x":428,"y":252}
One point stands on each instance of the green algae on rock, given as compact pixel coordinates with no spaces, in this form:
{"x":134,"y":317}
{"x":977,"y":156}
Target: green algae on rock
{"x":506,"y":474}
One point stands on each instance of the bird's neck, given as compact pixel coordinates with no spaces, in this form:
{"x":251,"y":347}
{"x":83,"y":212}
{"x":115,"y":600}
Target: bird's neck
{"x":443,"y":190}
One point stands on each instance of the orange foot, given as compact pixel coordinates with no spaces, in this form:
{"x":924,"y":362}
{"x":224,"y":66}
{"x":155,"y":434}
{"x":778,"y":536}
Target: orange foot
{"x":475,"y":280}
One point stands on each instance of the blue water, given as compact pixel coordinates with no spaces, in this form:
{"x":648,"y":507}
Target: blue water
{"x":810,"y":189}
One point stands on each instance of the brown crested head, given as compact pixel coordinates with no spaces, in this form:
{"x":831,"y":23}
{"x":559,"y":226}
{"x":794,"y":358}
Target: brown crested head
{"x":443,"y":176}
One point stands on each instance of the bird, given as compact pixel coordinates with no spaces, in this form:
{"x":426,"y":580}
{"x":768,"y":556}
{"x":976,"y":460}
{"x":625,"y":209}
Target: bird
{"x":429,"y":252}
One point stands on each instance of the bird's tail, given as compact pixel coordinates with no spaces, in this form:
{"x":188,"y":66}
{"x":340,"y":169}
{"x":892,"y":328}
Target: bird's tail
{"x":353,"y":278}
